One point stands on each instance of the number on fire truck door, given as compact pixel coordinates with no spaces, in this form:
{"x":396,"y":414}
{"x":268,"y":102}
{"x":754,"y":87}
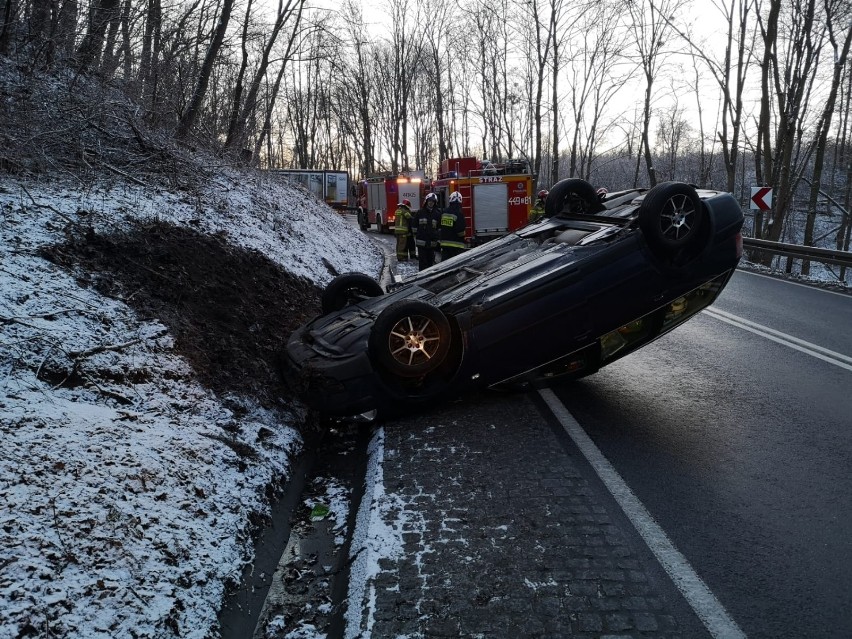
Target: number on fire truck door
{"x":490,"y":202}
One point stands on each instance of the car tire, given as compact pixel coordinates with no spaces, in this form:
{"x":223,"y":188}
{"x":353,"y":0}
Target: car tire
{"x":572,"y":195}
{"x":671,"y":217}
{"x":410,"y":338}
{"x":347,"y":289}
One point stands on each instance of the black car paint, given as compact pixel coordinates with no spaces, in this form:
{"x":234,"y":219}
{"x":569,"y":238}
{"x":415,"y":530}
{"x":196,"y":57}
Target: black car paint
{"x":506,"y":318}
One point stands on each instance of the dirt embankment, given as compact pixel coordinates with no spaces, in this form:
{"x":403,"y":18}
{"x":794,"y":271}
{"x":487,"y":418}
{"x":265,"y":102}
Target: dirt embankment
{"x":229,"y":309}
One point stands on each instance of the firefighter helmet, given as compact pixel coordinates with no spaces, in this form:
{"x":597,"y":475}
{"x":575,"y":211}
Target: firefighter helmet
{"x":406,"y":202}
{"x":431,"y":198}
{"x":456,"y":197}
{"x":543,"y":194}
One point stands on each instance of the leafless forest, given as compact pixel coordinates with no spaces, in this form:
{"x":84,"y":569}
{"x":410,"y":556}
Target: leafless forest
{"x":620,"y":92}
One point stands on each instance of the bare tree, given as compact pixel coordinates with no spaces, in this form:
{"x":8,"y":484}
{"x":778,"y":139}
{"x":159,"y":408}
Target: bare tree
{"x":189,"y":116}
{"x":729,"y":72}
{"x":488,"y":26}
{"x":289,"y":13}
{"x":239,"y":82}
{"x":834,"y":12}
{"x":538,"y":43}
{"x":596,"y":74}
{"x":101,"y":14}
{"x":651,"y":26}
{"x":7,"y":26}
{"x":357,"y":102}
{"x":438,"y":30}
{"x":672,"y":138}
{"x":789,"y":78}
{"x":843,"y":165}
{"x":64,"y":31}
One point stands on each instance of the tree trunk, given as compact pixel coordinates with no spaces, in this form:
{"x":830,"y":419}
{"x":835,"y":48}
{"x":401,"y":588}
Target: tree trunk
{"x":285,"y":11}
{"x":147,"y":76}
{"x":9,"y":16}
{"x":841,"y":54}
{"x":646,"y":130}
{"x":238,"y":88}
{"x":763,"y":155}
{"x":63,"y":37}
{"x":270,"y":106}
{"x":102,"y":13}
{"x":554,"y":170}
{"x":191,"y":114}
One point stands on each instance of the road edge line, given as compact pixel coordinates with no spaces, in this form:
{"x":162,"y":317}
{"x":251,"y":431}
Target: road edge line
{"x":792,"y":342}
{"x":697,"y":594}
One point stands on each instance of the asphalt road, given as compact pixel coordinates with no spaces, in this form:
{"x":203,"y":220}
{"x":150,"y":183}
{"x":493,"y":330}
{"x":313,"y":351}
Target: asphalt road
{"x":740,"y":447}
{"x":734,"y":432}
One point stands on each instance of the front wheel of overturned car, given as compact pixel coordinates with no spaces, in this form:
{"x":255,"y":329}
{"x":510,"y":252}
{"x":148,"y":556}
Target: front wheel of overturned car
{"x":671,"y":217}
{"x":410,"y":338}
{"x":573,"y":196}
{"x":347,"y":289}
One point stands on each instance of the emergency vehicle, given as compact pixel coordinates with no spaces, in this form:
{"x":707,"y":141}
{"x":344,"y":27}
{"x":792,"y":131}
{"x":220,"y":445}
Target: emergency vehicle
{"x":380,"y":195}
{"x":496,"y":197}
{"x":332,"y":187}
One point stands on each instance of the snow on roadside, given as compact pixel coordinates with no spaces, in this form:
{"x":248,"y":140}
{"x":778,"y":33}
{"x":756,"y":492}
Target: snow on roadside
{"x":124,"y":510}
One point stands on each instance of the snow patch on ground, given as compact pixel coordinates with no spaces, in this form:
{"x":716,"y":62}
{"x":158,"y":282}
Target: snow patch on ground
{"x":127,"y":495}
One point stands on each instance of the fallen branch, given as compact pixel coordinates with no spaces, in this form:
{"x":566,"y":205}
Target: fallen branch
{"x":123,"y":173}
{"x":77,"y":355}
{"x":48,"y":206}
{"x":140,"y":139}
{"x":104,"y":391}
{"x":17,"y":318}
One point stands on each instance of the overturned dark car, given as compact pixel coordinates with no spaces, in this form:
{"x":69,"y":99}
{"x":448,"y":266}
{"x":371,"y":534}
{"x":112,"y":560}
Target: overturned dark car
{"x":595,"y":279}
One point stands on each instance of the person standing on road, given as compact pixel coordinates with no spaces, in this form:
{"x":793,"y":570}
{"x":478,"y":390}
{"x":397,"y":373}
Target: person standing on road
{"x":537,"y":211}
{"x":425,"y":224}
{"x":402,"y":230}
{"x":453,"y":228}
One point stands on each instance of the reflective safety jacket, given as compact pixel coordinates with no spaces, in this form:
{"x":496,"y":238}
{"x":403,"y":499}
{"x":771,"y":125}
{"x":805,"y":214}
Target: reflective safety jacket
{"x":425,"y":225}
{"x":402,"y":225}
{"x":537,"y":212}
{"x":453,"y":227}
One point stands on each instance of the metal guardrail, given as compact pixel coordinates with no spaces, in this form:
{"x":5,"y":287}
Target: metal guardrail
{"x":826,"y":256}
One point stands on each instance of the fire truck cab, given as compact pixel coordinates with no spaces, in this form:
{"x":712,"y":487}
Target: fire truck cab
{"x":496,"y":197}
{"x":380,"y":195}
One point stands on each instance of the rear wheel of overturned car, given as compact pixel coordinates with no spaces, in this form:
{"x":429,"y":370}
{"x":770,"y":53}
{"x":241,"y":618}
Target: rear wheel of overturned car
{"x":347,"y":289}
{"x":572,"y":195}
{"x":410,"y":338}
{"x":671,"y":217}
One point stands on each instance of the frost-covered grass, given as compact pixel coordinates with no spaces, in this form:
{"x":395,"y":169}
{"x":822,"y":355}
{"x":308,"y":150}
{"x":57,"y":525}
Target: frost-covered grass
{"x":127,"y":495}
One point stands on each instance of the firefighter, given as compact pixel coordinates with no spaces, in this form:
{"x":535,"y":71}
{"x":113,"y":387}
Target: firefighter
{"x":402,"y":230}
{"x":453,"y":228}
{"x":425,"y":224}
{"x":537,"y":211}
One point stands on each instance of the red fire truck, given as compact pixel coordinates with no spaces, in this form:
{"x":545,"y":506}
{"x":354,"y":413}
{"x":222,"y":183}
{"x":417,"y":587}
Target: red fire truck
{"x":380,"y":195}
{"x":496,"y":196}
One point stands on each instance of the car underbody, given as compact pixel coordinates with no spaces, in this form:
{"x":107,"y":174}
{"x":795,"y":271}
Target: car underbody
{"x":558,"y":299}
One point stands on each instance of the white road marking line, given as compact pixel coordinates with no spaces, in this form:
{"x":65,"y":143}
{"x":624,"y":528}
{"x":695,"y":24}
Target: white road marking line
{"x":825,"y":354}
{"x":785,"y":281}
{"x":697,"y":594}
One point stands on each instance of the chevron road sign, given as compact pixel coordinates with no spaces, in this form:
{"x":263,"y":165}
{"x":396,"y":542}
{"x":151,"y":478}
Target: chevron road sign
{"x":761,"y":198}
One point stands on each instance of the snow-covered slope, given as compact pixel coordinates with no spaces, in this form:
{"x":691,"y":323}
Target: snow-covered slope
{"x":126,"y":485}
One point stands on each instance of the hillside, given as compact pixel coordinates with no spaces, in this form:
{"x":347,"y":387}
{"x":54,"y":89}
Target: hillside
{"x":147,"y":290}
